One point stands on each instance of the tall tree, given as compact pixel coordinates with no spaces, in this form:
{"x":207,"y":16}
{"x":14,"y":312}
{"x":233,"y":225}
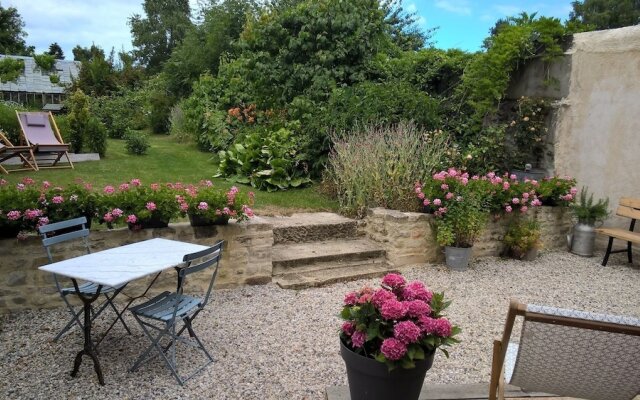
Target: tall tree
{"x":97,"y":74}
{"x":56,"y":51}
{"x":12,"y":36}
{"x":163,"y":28}
{"x":403,"y":28}
{"x":606,"y":14}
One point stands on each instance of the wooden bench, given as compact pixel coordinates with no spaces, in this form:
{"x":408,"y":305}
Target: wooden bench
{"x":628,"y":208}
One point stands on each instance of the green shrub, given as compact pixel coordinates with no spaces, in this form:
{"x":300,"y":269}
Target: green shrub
{"x":267,"y":159}
{"x":96,"y":136}
{"x":9,"y":121}
{"x":137,"y":143}
{"x":378,"y":166}
{"x":120,"y":112}
{"x":62,"y":122}
{"x":523,"y":234}
{"x":10,"y":69}
{"x":78,"y":119}
{"x":44,"y":62}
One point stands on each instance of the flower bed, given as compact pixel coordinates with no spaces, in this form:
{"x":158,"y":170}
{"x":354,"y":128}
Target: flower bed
{"x":28,"y":205}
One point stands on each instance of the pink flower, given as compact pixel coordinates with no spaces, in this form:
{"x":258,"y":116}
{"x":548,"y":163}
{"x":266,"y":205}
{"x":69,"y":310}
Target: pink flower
{"x":535,"y":182}
{"x":358,"y":338}
{"x":184,"y":206}
{"x":452,"y":172}
{"x":135,"y":182}
{"x":513,"y":177}
{"x":573,"y":191}
{"x":442,"y":327}
{"x":203,"y":205}
{"x":3,"y":182}
{"x":247,"y":211}
{"x":525,"y":195}
{"x":407,"y":332}
{"x":448,"y":196}
{"x":427,"y":324}
{"x":393,"y":349}
{"x":57,"y":199}
{"x":523,"y":209}
{"x":42,"y":221}
{"x":426,"y":202}
{"x":393,"y":281}
{"x":567,"y":197}
{"x":108,"y":217}
{"x":416,"y":291}
{"x":421,"y":196}
{"x":208,"y":183}
{"x":475,"y":178}
{"x":505,"y":185}
{"x":418,"y":189}
{"x":441,"y":210}
{"x":108,"y":189}
{"x":416,"y":308}
{"x":154,"y":186}
{"x":123,"y":187}
{"x":151,"y":206}
{"x":444,"y":186}
{"x":28,"y":181}
{"x":382,"y":296}
{"x":437,"y":202}
{"x":536,"y":202}
{"x":515,"y":200}
{"x":20,"y":186}
{"x":350,"y":299}
{"x":46,"y":184}
{"x":14,"y":215}
{"x":393,"y":309}
{"x":348,"y":328}
{"x":117,"y":212}
{"x":226,"y":211}
{"x":132,"y":219}
{"x":464,"y":181}
{"x":491,"y":175}
{"x":508,"y":209}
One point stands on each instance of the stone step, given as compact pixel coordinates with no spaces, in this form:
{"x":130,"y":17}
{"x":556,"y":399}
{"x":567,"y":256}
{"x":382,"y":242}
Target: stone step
{"x":312,"y":227}
{"x":290,"y":256}
{"x":318,"y":275}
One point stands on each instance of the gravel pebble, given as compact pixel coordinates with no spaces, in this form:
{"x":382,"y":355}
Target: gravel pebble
{"x":271,"y":343}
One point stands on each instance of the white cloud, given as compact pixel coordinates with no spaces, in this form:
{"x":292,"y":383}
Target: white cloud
{"x":411,"y":7}
{"x":461,"y":7}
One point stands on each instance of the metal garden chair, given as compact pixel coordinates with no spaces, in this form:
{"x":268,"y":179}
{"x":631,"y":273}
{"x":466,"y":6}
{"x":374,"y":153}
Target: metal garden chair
{"x":76,"y":229}
{"x":166,"y":311}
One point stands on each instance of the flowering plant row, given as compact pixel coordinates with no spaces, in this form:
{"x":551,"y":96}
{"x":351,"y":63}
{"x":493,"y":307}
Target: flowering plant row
{"x":28,"y":205}
{"x":461,"y":202}
{"x":396,"y":324}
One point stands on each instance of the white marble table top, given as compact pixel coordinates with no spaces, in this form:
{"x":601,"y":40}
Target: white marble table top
{"x":124,"y":264}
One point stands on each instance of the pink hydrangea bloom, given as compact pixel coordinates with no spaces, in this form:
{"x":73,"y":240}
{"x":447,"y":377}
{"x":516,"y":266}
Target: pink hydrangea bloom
{"x":524,"y":209}
{"x":132,"y":219}
{"x":418,"y":189}
{"x":184,"y":206}
{"x":442,"y":327}
{"x":464,"y":181}
{"x":491,"y":175}
{"x":28,"y":181}
{"x":513,"y":177}
{"x":348,"y":328}
{"x":123,"y":187}
{"x":427,"y":324}
{"x":444,"y":186}
{"x":151,"y":206}
{"x":117,"y":212}
{"x":416,"y":308}
{"x":573,"y":191}
{"x":437,"y":202}
{"x":393,"y":309}
{"x":358,"y":338}
{"x":20,"y":186}
{"x":407,"y":332}
{"x":382,"y":296}
{"x":247,"y":211}
{"x":393,"y":349}
{"x":393,"y":280}
{"x":203,"y":205}
{"x":475,"y":178}
{"x":448,"y":196}
{"x":135,"y":182}
{"x":3,"y":182}
{"x":416,"y":291}
{"x":508,"y":209}
{"x":57,"y":199}
{"x":350,"y":298}
{"x":14,"y":215}
{"x":42,"y":221}
{"x":108,"y":189}
{"x":426,"y":202}
{"x":108,"y":217}
{"x":515,"y":200}
{"x":46,"y":184}
{"x":421,"y":196}
{"x":525,"y":195}
{"x":505,"y":185}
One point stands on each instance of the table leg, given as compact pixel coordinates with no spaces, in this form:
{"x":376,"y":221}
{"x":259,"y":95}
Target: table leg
{"x":89,"y":348}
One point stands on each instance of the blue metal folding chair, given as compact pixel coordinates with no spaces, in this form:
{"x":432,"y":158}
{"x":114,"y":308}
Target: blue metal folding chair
{"x":76,"y":229}
{"x":165,"y":311}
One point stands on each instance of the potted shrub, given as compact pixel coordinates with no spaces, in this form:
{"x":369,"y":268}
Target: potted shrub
{"x":389,"y":338}
{"x":20,"y":207}
{"x":522,"y":238}
{"x":207,"y":205}
{"x":73,"y":201}
{"x":587,"y":212}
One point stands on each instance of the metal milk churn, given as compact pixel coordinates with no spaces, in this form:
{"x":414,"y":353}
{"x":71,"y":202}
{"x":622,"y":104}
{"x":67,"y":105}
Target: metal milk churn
{"x":582,"y":240}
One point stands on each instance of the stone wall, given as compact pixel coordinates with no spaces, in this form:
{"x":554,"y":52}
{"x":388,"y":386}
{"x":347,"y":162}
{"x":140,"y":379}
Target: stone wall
{"x":408,"y":239}
{"x":246,"y":260}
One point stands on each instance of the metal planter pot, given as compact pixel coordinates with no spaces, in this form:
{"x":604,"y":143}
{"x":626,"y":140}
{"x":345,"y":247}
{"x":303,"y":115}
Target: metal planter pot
{"x":457,"y":258}
{"x":582,"y":239}
{"x":371,"y":380}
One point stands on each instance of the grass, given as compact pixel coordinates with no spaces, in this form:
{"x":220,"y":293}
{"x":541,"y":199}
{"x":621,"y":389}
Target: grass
{"x":170,"y":161}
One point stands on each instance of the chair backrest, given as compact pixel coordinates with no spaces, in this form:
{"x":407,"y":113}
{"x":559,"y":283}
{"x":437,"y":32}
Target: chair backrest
{"x":578,"y":354}
{"x":63,"y":231}
{"x":37,"y":129}
{"x":196,"y":262}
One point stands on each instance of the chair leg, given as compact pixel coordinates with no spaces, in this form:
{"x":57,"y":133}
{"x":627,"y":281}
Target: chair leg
{"x":608,"y":253}
{"x":629,"y":253}
{"x":74,"y":320}
{"x":118,"y":313}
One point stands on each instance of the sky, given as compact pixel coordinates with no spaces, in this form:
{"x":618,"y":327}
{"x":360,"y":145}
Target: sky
{"x":461,"y":24}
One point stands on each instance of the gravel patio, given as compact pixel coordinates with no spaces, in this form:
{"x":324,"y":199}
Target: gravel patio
{"x":271,"y":343}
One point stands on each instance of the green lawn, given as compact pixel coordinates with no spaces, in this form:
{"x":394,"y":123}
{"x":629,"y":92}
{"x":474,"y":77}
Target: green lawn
{"x":171,"y":161}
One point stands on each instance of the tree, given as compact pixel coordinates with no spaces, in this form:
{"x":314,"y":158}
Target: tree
{"x":402,"y":27}
{"x":606,"y":14}
{"x":164,"y":27}
{"x":11,"y":33}
{"x":97,"y":74}
{"x":56,"y":51}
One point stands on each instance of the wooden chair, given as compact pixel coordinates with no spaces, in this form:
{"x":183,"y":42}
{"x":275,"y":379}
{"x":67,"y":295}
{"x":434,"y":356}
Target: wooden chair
{"x":627,"y":208}
{"x":568,"y":353}
{"x":39,"y":130}
{"x":9,"y":151}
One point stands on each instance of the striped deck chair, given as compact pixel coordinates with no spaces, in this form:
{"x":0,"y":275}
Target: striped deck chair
{"x":568,"y":353}
{"x":39,"y":129}
{"x":9,"y":151}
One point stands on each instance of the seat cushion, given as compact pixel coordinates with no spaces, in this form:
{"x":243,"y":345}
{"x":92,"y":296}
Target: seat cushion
{"x":37,"y":119}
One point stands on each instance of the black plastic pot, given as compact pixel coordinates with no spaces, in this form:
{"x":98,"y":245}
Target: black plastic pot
{"x":199,"y":220}
{"x":150,"y":223}
{"x":372,"y":380}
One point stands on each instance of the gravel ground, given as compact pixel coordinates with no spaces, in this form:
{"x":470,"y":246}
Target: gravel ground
{"x":271,"y":343}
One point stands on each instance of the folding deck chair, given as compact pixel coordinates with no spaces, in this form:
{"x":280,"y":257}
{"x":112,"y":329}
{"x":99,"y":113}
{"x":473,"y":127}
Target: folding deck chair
{"x":39,"y":129}
{"x":78,"y":231}
{"x":9,"y":151}
{"x":568,"y":353}
{"x":165,"y":311}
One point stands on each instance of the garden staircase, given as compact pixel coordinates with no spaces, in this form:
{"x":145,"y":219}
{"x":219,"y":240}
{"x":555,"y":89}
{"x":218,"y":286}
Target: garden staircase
{"x":316,"y":249}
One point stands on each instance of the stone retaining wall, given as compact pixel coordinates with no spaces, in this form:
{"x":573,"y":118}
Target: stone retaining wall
{"x":246,"y":260}
{"x":408,"y":239}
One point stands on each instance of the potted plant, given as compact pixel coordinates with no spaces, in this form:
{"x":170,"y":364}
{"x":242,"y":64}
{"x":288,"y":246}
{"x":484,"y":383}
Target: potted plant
{"x":587,"y":212}
{"x":75,"y":200}
{"x":522,"y":238}
{"x":206,"y":204}
{"x":389,"y":338}
{"x":20,"y":207}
